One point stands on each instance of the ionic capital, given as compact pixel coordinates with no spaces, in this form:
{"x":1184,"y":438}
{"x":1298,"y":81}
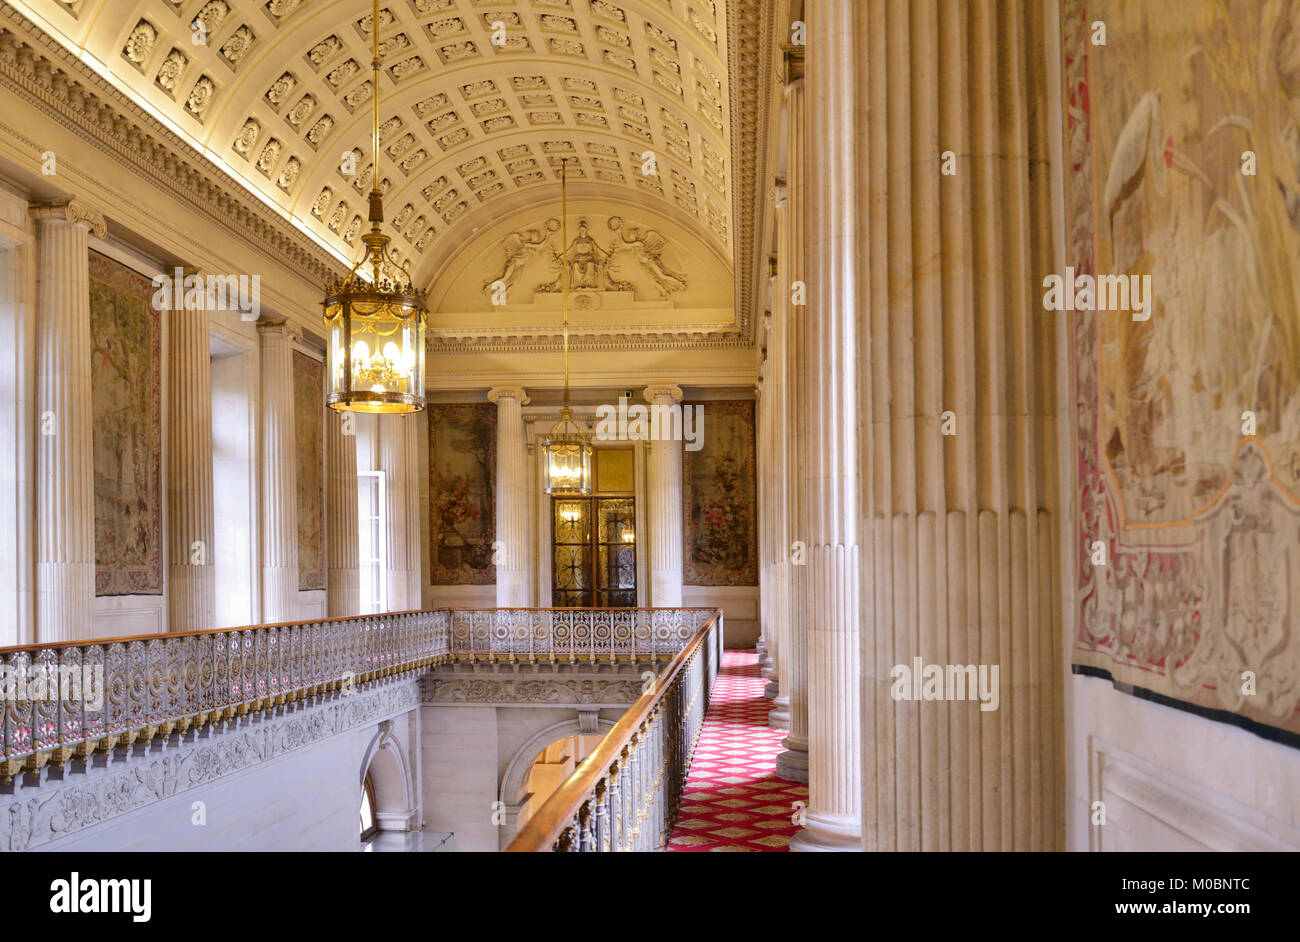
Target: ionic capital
{"x":71,"y":211}
{"x":497,"y":393}
{"x":657,"y":394}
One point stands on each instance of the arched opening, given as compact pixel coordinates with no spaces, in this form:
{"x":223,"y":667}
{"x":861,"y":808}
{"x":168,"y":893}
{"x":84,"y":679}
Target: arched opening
{"x":369,"y":823}
{"x":553,"y":765}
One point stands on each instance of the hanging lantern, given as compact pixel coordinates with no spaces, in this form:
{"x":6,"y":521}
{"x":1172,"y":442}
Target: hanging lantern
{"x":375,"y":316}
{"x":566,"y":451}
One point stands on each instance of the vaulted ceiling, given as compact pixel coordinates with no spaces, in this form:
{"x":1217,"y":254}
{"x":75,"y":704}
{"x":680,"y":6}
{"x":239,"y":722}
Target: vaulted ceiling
{"x":480,"y":100}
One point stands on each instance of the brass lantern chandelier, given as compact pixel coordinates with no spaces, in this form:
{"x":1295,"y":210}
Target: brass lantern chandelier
{"x":566,"y":451}
{"x":375,"y":316}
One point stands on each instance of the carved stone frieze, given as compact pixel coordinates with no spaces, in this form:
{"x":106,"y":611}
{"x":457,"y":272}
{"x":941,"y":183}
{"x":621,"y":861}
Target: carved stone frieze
{"x":32,"y":817}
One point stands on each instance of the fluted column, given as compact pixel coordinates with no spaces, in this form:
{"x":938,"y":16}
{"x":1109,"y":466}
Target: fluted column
{"x":279,"y":518}
{"x":512,"y":570}
{"x":342,"y":541}
{"x":829,"y":360}
{"x":959,"y":502}
{"x":415,"y":425}
{"x":779,"y":717}
{"x":665,"y":517}
{"x":393,"y":462}
{"x":766,"y":609}
{"x":65,"y":497}
{"x":791,"y":258}
{"x":191,"y":530}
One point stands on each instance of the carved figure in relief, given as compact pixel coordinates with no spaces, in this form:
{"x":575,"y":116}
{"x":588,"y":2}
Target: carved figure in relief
{"x":520,"y":246}
{"x":586,"y":259}
{"x":649,"y":245}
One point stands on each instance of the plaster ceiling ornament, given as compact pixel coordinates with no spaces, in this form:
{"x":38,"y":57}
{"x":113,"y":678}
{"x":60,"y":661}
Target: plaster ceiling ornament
{"x":210,"y":16}
{"x":269,"y":157}
{"x":200,"y":97}
{"x":171,"y":71}
{"x":322,"y":204}
{"x":292,"y":167}
{"x":340,"y":213}
{"x":140,"y":43}
{"x":275,"y":95}
{"x":247,"y":138}
{"x":238,"y":45}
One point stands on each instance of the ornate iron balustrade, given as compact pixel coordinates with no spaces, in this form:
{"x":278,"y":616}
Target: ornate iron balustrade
{"x":71,"y":699}
{"x":625,"y":795}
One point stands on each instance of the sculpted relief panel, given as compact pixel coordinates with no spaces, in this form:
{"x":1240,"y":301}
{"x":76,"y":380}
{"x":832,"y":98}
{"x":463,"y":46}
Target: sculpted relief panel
{"x":1183,"y":167}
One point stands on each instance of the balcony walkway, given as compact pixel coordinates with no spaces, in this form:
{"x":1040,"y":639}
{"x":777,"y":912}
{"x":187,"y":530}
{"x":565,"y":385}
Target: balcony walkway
{"x":734,"y":800}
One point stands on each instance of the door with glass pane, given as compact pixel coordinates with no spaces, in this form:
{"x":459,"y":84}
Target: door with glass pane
{"x":594,"y":547}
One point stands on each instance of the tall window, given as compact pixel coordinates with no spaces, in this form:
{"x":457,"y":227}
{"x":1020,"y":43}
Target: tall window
{"x":370,"y":526}
{"x":368,"y":824}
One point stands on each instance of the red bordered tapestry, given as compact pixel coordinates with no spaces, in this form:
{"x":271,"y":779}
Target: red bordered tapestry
{"x":309,"y":446}
{"x":719,"y":499}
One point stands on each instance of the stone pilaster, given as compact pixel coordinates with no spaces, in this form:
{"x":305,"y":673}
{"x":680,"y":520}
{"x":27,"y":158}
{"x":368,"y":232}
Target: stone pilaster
{"x":512,"y":498}
{"x":279,"y":494}
{"x":791,"y":258}
{"x":830,"y":478}
{"x":766,"y":620}
{"x":65,"y":497}
{"x":958,"y":509}
{"x":665,"y":511}
{"x":342,"y":542}
{"x":191,"y":529}
{"x":778,"y":436}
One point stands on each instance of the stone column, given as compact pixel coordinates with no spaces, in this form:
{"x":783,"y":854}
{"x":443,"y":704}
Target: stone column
{"x":766,"y":613}
{"x":779,"y":540}
{"x":829,"y":435}
{"x":342,"y":541}
{"x":414,"y":426}
{"x":793,"y":762}
{"x":959,"y":513}
{"x":65,"y":496}
{"x":393,"y":462}
{"x":512,"y":498}
{"x":279,"y":492}
{"x":665,"y":511}
{"x":191,"y":529}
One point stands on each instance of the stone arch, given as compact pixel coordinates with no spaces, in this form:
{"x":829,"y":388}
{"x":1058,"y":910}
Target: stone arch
{"x":390,"y":774}
{"x":516,"y":774}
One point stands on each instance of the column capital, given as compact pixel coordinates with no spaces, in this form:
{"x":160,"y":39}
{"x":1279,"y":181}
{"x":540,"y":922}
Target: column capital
{"x":497,"y":393}
{"x":71,"y":211}
{"x":266,"y":325}
{"x":793,"y":62}
{"x":655,"y":393}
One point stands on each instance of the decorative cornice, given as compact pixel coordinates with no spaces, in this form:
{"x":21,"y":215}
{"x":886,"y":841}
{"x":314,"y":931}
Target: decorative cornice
{"x":40,"y":70}
{"x":751,"y":45}
{"x":71,"y":211}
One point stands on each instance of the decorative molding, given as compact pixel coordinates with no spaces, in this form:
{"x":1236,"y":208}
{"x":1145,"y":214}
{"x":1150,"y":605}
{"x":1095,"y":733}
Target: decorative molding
{"x":590,"y":691}
{"x":59,"y":810}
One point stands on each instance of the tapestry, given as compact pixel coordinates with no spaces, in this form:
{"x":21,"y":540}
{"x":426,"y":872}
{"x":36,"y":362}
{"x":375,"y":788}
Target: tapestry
{"x":126,"y":408}
{"x":719,"y":501}
{"x":1183,"y":172}
{"x":462,"y":492}
{"x":309,"y":446}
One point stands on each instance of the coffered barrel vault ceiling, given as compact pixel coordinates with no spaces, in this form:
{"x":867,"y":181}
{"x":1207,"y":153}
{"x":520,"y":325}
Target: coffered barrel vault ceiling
{"x":472,"y":131}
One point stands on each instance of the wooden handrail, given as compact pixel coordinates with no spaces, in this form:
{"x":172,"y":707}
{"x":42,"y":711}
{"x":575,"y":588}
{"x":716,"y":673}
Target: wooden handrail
{"x":122,"y":639}
{"x":545,"y":826}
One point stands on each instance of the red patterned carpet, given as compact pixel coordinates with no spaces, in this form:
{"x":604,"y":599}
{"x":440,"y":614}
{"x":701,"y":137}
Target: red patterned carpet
{"x":733,"y":799}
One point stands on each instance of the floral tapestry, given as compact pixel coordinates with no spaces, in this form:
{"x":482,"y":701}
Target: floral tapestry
{"x":1183,"y":166}
{"x":462,"y":492}
{"x":719,"y":505}
{"x":126,"y":407}
{"x":309,"y":446}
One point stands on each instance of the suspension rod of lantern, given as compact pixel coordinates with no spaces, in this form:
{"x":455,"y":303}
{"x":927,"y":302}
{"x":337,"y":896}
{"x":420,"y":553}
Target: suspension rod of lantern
{"x":564,"y":261}
{"x":374,"y":94}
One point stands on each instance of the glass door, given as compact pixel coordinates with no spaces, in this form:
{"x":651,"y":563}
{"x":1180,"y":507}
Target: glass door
{"x":594,"y":547}
{"x":370,"y":527}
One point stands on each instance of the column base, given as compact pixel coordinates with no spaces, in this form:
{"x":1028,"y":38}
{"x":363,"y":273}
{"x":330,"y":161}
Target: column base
{"x":772,"y":690}
{"x":828,"y":833}
{"x":792,"y":765}
{"x":779,"y":716}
